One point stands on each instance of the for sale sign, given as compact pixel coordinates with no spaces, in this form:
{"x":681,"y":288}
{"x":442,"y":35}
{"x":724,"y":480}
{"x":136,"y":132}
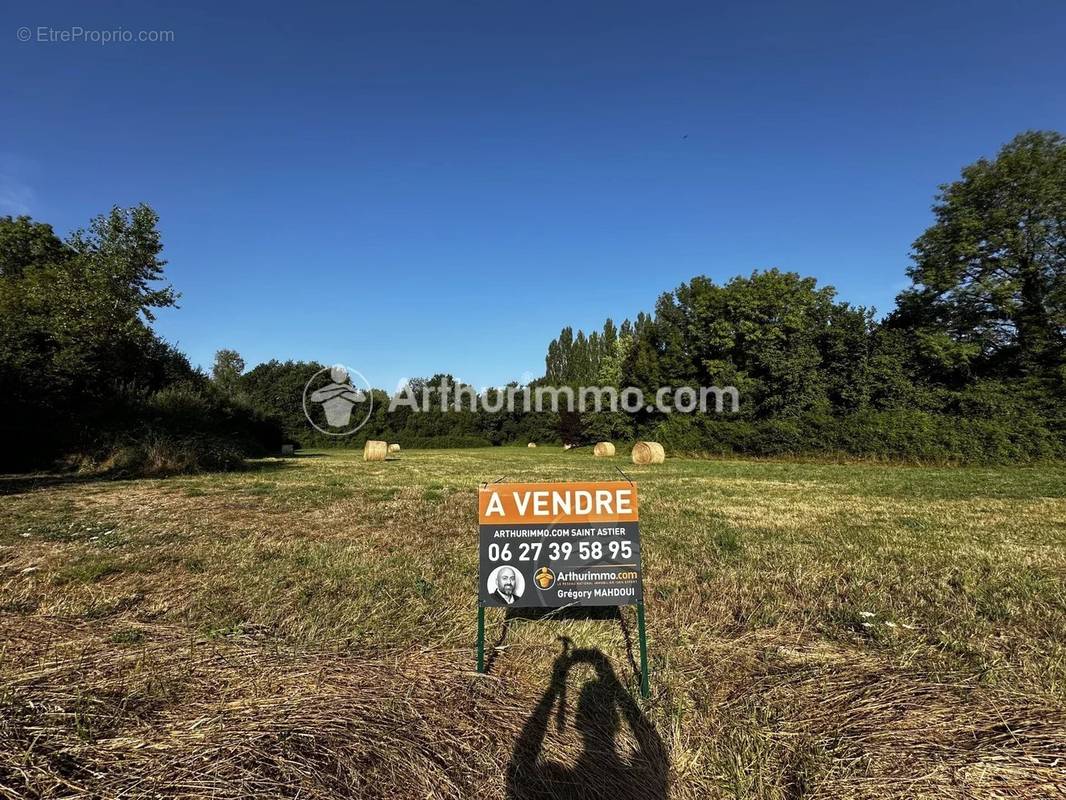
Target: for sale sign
{"x":559,"y":544}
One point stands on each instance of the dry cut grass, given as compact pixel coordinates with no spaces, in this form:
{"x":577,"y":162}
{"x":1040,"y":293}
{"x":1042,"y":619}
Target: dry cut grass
{"x":305,"y":629}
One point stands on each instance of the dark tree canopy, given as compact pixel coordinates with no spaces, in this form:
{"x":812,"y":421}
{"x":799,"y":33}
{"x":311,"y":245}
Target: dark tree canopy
{"x":26,"y":244}
{"x":81,"y":369}
{"x":227,"y":369}
{"x":990,"y":273}
{"x":971,"y":360}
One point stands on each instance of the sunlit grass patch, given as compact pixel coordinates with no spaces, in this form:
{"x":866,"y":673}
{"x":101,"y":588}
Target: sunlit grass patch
{"x":808,"y":623}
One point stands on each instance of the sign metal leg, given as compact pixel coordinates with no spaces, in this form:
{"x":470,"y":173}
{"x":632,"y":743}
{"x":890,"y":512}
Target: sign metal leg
{"x":645,"y":683}
{"x":480,"y":638}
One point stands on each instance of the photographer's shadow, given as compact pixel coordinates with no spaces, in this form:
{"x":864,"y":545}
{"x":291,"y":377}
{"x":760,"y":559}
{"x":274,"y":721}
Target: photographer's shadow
{"x":603,"y":706}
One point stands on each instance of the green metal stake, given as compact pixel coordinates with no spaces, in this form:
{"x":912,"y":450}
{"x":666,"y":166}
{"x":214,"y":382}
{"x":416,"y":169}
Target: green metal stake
{"x":481,"y":638}
{"x":645,"y":683}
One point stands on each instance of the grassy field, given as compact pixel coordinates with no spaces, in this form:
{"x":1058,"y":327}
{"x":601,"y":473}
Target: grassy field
{"x":306,"y":628}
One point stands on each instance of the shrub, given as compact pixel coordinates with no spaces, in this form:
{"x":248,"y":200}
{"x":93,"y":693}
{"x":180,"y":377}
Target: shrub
{"x":186,"y":427}
{"x":682,"y":433}
{"x":441,"y":442}
{"x":186,"y":410}
{"x":158,"y":455}
{"x":898,"y":435}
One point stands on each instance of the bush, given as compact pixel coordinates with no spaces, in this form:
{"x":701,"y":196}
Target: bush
{"x":441,"y":442}
{"x":180,"y":407}
{"x":918,"y":435}
{"x":683,"y":433}
{"x":158,"y":455}
{"x":186,"y":427}
{"x":186,"y":410}
{"x":904,"y":435}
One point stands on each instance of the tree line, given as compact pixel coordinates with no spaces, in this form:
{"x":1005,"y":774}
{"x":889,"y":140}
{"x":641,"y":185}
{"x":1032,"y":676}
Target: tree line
{"x":84,"y":378}
{"x":968,"y":366}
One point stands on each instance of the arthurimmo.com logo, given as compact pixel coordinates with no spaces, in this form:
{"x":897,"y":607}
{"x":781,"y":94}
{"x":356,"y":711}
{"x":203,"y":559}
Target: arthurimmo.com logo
{"x":338,"y":401}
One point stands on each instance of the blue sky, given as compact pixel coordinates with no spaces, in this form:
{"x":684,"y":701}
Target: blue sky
{"x":418,"y":187}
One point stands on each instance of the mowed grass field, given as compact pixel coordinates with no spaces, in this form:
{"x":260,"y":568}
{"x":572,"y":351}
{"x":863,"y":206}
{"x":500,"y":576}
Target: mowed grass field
{"x":306,"y":628}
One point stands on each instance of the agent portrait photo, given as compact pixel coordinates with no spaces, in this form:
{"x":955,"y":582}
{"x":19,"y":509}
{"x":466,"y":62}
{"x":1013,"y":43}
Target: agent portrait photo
{"x":505,"y":585}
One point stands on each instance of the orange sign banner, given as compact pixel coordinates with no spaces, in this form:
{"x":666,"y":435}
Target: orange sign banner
{"x":548,"y":503}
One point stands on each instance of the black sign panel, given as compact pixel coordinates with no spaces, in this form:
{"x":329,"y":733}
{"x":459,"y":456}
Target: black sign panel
{"x":559,"y":544}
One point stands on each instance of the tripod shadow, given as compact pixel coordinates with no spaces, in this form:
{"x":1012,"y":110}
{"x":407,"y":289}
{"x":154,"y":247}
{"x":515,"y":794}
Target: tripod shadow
{"x":603,"y":705}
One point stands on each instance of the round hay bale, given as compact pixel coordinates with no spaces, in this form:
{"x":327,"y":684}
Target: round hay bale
{"x":531,"y":444}
{"x":648,"y":453}
{"x":375,"y":451}
{"x":394,"y":448}
{"x":603,"y":450}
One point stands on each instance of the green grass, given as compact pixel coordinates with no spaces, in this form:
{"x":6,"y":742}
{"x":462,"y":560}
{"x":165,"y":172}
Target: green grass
{"x":929,"y":575}
{"x":88,"y":569}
